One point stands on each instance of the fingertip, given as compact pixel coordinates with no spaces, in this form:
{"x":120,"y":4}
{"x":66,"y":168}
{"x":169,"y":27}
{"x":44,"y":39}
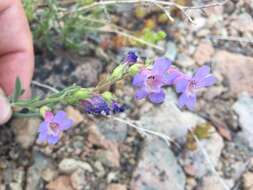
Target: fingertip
{"x":5,"y":109}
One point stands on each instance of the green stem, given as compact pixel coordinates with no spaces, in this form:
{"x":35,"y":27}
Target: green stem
{"x":36,"y":114}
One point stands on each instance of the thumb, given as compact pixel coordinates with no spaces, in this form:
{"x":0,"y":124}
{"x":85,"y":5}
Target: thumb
{"x":5,"y":108}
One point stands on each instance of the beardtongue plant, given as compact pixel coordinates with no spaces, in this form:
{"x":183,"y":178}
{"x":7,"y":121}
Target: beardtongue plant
{"x":149,"y":80}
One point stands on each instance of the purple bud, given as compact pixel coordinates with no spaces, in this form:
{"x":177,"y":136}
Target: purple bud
{"x":117,"y":108}
{"x":96,"y":106}
{"x":131,"y":58}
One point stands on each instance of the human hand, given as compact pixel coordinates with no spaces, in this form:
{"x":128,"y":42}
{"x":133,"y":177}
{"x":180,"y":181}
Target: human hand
{"x":16,"y":53}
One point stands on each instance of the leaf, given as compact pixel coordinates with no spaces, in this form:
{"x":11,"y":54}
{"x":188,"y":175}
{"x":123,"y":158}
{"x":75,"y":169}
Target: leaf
{"x":202,"y":131}
{"x":19,"y":91}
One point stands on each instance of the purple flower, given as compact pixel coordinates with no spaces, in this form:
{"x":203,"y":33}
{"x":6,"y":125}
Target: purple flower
{"x":174,"y":75}
{"x":116,"y":108}
{"x":150,"y":82}
{"x":188,"y":86}
{"x":131,"y":58}
{"x":52,"y":127}
{"x":96,"y":106}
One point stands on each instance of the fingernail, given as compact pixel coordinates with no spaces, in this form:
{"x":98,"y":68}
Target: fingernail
{"x":5,"y":109}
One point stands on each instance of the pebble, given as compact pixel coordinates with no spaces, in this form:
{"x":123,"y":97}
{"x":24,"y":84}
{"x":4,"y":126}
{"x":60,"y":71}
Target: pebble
{"x":237,"y":69}
{"x":75,"y":115}
{"x":248,"y":181}
{"x":78,"y":179}
{"x":69,"y":165}
{"x":60,"y":183}
{"x":116,"y":187}
{"x":158,"y":168}
{"x":26,"y":130}
{"x":203,"y":53}
{"x":244,"y":109}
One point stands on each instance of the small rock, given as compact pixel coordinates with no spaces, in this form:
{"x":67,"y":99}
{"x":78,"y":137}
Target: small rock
{"x":95,"y":137}
{"x":75,"y":115}
{"x":199,"y":22}
{"x":69,"y":165}
{"x":169,"y":119}
{"x":203,"y":53}
{"x":49,"y":174}
{"x":112,"y":130}
{"x":61,"y":183}
{"x":211,"y":183}
{"x":171,"y":51}
{"x":116,"y":187}
{"x":26,"y":130}
{"x":185,"y":61}
{"x":17,"y":179}
{"x":244,"y":109}
{"x":243,"y":23}
{"x":34,"y":176}
{"x":88,"y":71}
{"x":237,"y":69}
{"x":158,"y":168}
{"x":109,"y":157}
{"x":248,"y":181}
{"x":78,"y":179}
{"x":100,"y":169}
{"x":213,"y":146}
{"x":112,"y":176}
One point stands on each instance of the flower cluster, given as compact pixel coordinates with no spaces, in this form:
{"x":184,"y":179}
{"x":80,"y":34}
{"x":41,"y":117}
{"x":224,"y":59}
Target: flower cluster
{"x":150,"y":82}
{"x":96,"y":105}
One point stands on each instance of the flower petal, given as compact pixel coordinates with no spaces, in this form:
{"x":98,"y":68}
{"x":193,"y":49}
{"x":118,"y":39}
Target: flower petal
{"x":161,"y":65}
{"x":49,"y":116}
{"x":157,"y":98}
{"x":201,"y":72}
{"x":66,"y":124}
{"x":42,"y":137}
{"x":59,"y":117}
{"x":182,"y":100}
{"x":191,"y":102}
{"x":207,"y":81}
{"x":138,"y":80}
{"x":181,"y":85}
{"x":140,"y":93}
{"x":43,"y":126}
{"x":53,"y":139}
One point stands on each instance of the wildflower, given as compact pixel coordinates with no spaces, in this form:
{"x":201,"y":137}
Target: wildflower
{"x":52,"y":127}
{"x":96,"y":105}
{"x":150,"y":82}
{"x":188,"y":86}
{"x":174,"y":75}
{"x":116,"y":108}
{"x":131,"y":58}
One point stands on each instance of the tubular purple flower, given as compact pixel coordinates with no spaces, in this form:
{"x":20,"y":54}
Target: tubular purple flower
{"x":52,"y":127}
{"x":150,"y":82}
{"x":187,"y":86}
{"x":96,"y":106}
{"x":131,"y":58}
{"x":174,"y":75}
{"x":117,"y":108}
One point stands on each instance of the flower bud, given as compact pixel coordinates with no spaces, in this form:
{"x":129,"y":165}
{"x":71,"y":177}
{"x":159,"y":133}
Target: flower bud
{"x":134,"y":69}
{"x":107,"y":96}
{"x":43,"y":110}
{"x":118,"y":71}
{"x":82,"y":94}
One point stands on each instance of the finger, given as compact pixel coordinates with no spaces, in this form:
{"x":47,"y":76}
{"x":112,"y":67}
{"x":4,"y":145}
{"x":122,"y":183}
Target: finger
{"x":5,"y":111}
{"x":16,"y":50}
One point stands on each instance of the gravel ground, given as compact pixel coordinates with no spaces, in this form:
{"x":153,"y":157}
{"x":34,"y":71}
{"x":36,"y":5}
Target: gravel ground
{"x":106,"y":154}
